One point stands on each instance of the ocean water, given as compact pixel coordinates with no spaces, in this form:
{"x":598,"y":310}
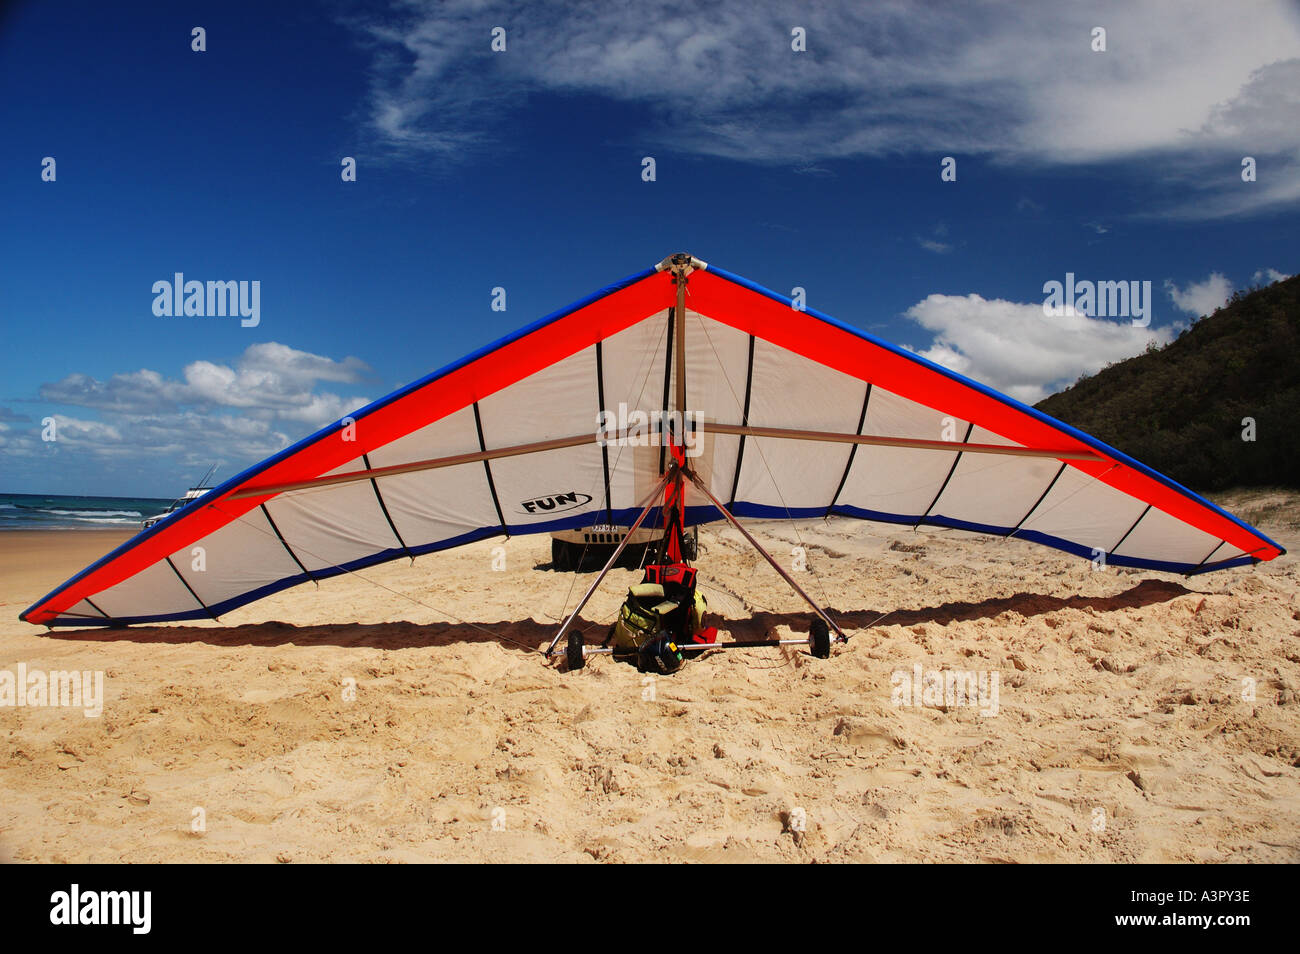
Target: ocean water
{"x":60,"y":512}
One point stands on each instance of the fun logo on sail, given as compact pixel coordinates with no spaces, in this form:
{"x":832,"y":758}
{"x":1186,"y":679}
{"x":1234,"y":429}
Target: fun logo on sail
{"x":554,"y":503}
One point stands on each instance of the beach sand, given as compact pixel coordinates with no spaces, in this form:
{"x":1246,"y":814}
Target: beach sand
{"x":1122,"y":731}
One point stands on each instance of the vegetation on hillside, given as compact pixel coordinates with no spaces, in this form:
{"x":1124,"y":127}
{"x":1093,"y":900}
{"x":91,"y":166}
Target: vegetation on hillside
{"x":1180,"y":409}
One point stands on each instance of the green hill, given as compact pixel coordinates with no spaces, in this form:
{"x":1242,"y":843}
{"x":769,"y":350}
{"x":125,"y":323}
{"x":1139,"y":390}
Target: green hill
{"x":1180,"y":408}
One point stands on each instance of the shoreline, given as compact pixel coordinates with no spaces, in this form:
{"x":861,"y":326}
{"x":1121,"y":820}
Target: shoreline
{"x":126,"y":532}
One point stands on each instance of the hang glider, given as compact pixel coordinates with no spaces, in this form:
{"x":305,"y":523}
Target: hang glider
{"x":788,"y":414}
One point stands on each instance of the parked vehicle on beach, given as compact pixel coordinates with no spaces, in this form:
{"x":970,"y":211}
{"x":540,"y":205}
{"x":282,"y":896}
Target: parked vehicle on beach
{"x":191,"y":495}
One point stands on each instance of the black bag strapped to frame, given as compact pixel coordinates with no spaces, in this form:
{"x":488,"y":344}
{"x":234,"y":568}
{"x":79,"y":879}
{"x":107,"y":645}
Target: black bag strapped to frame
{"x":659,"y":612}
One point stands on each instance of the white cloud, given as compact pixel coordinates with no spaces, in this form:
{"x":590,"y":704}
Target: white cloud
{"x":1203,"y":297}
{"x":322,"y":408}
{"x":155,"y":453}
{"x":936,"y":243}
{"x":931,"y":245}
{"x":236,"y":414}
{"x":1017,"y":349}
{"x":268,"y":380}
{"x":301,"y":367}
{"x":1271,"y":274}
{"x":1184,"y":88}
{"x":126,"y":393}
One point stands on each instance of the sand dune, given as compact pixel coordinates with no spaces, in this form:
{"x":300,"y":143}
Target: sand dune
{"x":1121,"y":732}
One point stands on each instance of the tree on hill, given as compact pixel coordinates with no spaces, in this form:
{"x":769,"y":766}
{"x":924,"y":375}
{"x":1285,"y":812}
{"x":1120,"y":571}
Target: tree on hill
{"x":1187,"y":409}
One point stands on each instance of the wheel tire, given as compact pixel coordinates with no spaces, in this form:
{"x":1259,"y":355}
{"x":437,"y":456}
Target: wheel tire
{"x":561,"y":556}
{"x":819,"y":635}
{"x":573,"y":653}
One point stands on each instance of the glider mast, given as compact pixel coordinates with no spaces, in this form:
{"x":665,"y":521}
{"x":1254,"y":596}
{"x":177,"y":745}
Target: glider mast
{"x":671,"y":549}
{"x":672,"y":483}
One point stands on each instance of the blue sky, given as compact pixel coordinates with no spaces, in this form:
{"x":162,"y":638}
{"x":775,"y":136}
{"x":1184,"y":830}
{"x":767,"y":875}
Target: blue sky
{"x":522,"y":169}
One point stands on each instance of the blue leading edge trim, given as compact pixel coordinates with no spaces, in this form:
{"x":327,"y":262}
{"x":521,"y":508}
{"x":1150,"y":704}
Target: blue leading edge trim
{"x":997,"y":395}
